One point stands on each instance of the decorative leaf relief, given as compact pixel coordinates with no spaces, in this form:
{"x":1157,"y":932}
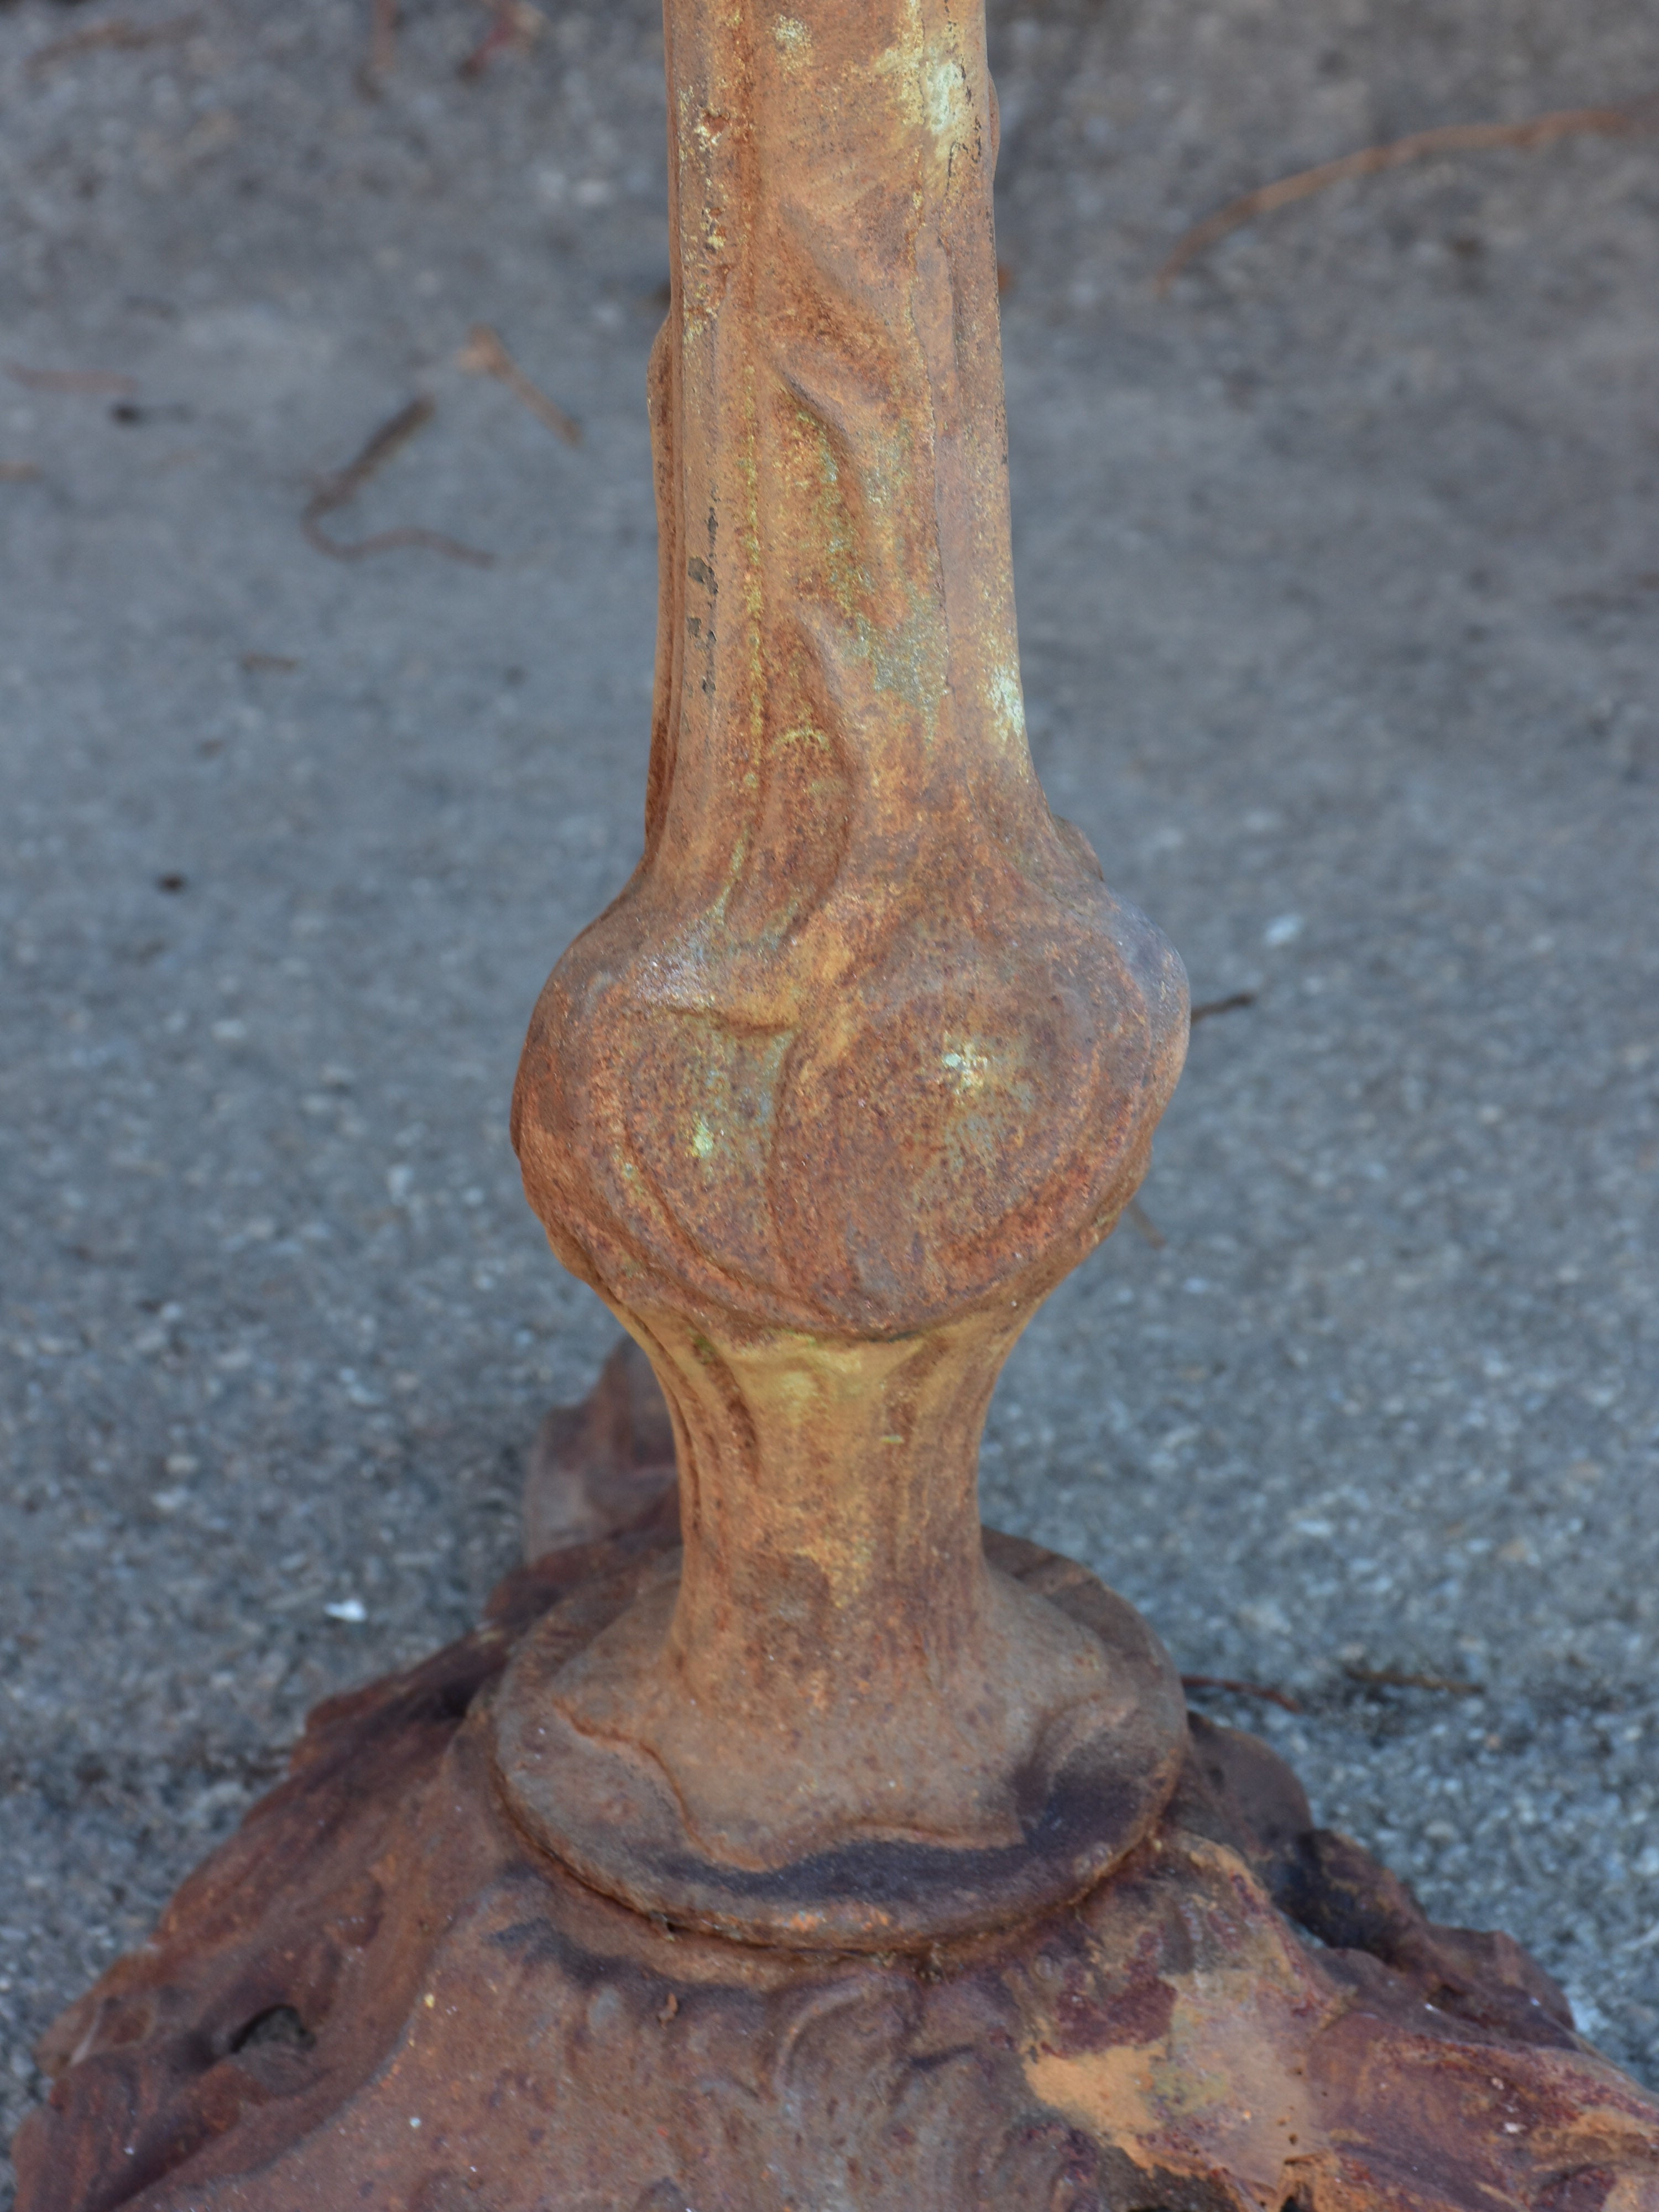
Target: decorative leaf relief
{"x":866,"y":1041}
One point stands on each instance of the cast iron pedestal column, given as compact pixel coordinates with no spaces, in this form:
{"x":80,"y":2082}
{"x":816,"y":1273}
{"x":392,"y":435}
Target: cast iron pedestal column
{"x":862,"y":1060}
{"x":841,"y":1856}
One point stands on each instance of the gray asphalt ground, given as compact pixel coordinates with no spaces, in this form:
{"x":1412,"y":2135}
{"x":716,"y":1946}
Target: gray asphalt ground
{"x":1338,"y":576}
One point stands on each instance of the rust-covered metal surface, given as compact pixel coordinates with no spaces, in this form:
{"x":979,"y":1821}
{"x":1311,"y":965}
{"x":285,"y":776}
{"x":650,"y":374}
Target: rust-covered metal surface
{"x":784,"y":1842}
{"x":864,"y":1058}
{"x":380,"y":1994}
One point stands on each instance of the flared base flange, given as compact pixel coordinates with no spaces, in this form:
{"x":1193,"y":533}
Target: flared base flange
{"x":613,"y":1818}
{"x":383,"y":1993}
{"x":380,"y":1995}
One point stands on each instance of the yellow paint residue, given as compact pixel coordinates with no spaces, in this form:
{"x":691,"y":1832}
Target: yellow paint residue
{"x":944,"y":97}
{"x":966,"y":1064}
{"x":931,"y":83}
{"x":1008,"y":705}
{"x":794,"y":40}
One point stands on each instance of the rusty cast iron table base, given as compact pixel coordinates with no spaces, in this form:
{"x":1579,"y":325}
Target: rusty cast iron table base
{"x":380,"y":1993}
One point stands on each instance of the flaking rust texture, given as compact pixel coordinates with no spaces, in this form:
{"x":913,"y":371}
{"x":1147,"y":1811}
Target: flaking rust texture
{"x":377,"y":1994}
{"x":865,"y":1057}
{"x":784,"y":1841}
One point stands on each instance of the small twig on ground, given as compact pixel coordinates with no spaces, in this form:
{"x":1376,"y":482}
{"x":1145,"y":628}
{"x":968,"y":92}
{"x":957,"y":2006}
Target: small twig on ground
{"x":389,"y":438}
{"x":1391,"y":1678}
{"x":1144,"y":1222}
{"x":114,"y":31}
{"x":392,"y":436}
{"x":1265,"y":1690}
{"x":1227,"y":1006}
{"x":1613,"y":601}
{"x":394,"y":541}
{"x":83,"y":382}
{"x":382,"y":38}
{"x":516,"y":26}
{"x":1419,"y":145}
{"x":484,"y":354}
